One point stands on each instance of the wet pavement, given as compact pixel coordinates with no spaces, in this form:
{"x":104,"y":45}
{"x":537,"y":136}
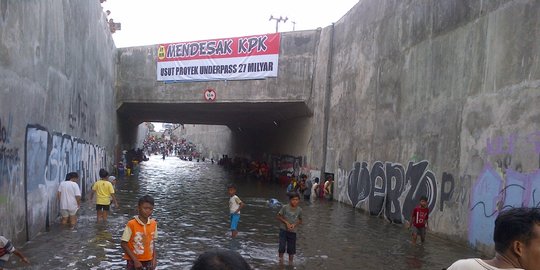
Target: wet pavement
{"x":192,"y":213}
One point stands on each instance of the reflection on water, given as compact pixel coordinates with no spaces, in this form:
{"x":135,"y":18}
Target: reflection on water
{"x":192,"y":213}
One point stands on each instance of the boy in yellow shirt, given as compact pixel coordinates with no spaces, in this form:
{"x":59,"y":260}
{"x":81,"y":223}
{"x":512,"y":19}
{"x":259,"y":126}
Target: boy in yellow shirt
{"x":104,"y":191}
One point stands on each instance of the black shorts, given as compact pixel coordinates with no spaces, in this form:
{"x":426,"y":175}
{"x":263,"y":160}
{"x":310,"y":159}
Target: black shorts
{"x":420,"y":232}
{"x":100,"y":207}
{"x":131,"y":265}
{"x":287,"y":240}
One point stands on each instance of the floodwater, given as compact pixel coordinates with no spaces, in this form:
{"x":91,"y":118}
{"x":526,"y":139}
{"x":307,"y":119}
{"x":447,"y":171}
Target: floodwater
{"x":192,"y":213}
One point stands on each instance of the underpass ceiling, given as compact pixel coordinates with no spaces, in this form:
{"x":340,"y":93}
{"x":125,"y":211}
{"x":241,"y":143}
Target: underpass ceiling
{"x":235,"y":115}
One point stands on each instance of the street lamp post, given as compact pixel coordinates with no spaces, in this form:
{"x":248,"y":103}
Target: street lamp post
{"x":278,"y":20}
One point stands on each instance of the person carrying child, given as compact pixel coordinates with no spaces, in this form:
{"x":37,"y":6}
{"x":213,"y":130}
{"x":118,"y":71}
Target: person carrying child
{"x":138,"y":239}
{"x":290,"y":216}
{"x":6,"y":249}
{"x":235,"y":204}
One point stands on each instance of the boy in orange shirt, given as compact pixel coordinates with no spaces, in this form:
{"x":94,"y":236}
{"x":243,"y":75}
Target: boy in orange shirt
{"x":138,"y":239}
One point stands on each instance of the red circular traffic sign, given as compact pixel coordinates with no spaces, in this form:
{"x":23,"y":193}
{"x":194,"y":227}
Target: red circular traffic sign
{"x":210,"y":94}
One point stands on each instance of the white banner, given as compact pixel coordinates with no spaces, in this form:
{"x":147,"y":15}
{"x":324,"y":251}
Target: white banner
{"x":244,"y":58}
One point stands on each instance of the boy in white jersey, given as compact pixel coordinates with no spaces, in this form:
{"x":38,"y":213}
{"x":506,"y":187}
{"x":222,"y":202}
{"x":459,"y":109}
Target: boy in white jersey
{"x":235,"y":204}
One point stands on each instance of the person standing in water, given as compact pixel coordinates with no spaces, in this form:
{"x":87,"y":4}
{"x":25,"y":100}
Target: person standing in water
{"x":235,"y":204}
{"x":290,"y":216}
{"x":104,"y":191}
{"x":139,"y":237}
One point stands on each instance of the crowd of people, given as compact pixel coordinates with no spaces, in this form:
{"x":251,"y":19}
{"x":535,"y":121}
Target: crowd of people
{"x":261,"y":170}
{"x":516,"y":233}
{"x":180,"y":148}
{"x":113,"y":26}
{"x":246,"y":167}
{"x":310,"y":189}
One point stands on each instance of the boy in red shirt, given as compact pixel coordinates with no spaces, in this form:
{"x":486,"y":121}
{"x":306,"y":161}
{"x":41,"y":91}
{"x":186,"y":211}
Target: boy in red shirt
{"x":138,"y":239}
{"x":419,"y":220}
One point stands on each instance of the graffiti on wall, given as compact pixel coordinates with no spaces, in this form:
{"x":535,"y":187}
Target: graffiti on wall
{"x":77,"y":113}
{"x":391,"y":190}
{"x":284,"y":166}
{"x":49,"y":157}
{"x":11,"y":188}
{"x":501,"y":148}
{"x":9,"y":158}
{"x":447,"y":189}
{"x":492,"y":193}
{"x":502,"y":184}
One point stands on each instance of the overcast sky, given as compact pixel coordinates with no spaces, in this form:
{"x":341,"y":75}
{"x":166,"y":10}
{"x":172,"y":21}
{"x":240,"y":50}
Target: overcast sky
{"x":147,"y":22}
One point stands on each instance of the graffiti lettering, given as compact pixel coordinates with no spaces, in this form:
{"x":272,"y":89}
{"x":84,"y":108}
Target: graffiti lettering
{"x":359,"y":186}
{"x":10,"y":186}
{"x":492,"y":193}
{"x":504,"y":163}
{"x":534,"y":138}
{"x":9,"y":167}
{"x":383,"y":187}
{"x":506,"y":146}
{"x":378,"y":189}
{"x":5,"y":131}
{"x":284,"y":166}
{"x":9,"y":159}
{"x":446,"y":193}
{"x":48,"y":158}
{"x":394,"y":174}
{"x":501,"y":145}
{"x":77,"y":114}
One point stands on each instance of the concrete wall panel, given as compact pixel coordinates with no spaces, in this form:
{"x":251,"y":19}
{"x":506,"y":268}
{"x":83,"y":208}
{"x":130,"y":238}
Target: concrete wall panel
{"x":57,"y":79}
{"x":434,"y":98}
{"x":137,"y":77}
{"x":211,"y":141}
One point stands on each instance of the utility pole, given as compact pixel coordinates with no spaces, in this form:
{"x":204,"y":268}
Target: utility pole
{"x":293,"y":24}
{"x":278,"y":20}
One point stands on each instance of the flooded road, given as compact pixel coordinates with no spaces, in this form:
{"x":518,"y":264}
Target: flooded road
{"x":192,"y":213}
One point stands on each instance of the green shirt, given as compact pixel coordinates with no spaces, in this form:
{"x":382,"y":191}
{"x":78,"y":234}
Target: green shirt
{"x":291,"y":215}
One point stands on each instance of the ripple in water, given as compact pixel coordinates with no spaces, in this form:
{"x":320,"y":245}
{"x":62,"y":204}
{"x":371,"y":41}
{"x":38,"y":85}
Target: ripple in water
{"x":192,"y":213}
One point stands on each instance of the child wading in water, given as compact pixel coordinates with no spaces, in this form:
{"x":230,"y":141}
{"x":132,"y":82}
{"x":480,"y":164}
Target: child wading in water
{"x":290,"y":216}
{"x":235,"y":204}
{"x":138,"y":239}
{"x":419,"y":220}
{"x":6,"y":249}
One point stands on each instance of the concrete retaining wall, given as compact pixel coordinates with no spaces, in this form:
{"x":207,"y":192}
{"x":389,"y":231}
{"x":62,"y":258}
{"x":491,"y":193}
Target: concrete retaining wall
{"x":57,"y":113}
{"x":211,"y":141}
{"x":137,"y":81}
{"x":435,"y":98}
{"x":409,"y":98}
